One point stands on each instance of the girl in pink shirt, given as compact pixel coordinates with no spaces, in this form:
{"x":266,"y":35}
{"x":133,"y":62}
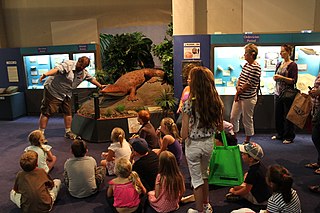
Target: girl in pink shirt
{"x":169,"y":186}
{"x":125,"y":188}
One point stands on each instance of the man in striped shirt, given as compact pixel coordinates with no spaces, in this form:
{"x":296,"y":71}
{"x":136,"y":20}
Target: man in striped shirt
{"x":246,"y":96}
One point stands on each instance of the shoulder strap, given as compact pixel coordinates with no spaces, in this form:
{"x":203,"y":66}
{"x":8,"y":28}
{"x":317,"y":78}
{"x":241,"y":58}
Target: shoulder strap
{"x":259,"y":92}
{"x":277,"y":67}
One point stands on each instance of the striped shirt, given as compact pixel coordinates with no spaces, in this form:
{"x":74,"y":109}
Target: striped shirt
{"x":250,"y":74}
{"x":277,"y":204}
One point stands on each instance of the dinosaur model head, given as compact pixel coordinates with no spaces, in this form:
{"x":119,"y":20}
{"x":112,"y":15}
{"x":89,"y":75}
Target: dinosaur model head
{"x":162,"y":74}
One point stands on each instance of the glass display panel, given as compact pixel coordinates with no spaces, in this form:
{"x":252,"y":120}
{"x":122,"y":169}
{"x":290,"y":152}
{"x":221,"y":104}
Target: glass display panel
{"x":36,"y":65}
{"x":91,"y":68}
{"x":228,"y":63}
{"x":308,"y":60}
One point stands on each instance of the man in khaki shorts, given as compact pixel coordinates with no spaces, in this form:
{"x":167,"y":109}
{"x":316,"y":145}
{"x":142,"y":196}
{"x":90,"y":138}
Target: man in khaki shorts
{"x":58,"y":87}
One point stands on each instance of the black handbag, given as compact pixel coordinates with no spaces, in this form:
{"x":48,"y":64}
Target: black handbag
{"x":288,"y":94}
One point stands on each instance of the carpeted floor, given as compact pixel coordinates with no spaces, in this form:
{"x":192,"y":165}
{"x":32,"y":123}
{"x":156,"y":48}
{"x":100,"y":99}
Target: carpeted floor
{"x":13,"y":140}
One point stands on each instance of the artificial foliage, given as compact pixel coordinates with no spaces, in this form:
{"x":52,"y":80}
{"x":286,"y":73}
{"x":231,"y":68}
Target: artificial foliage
{"x":122,"y":53}
{"x":167,"y":101}
{"x":164,"y":51}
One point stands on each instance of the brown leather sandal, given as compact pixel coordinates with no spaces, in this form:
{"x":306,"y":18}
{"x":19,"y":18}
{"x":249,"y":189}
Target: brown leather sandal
{"x":315,"y":188}
{"x":317,"y":171}
{"x":312,"y":165}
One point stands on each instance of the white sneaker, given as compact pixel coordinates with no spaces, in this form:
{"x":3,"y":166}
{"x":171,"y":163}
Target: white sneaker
{"x":287,"y":141}
{"x":192,"y":211}
{"x":207,"y":208}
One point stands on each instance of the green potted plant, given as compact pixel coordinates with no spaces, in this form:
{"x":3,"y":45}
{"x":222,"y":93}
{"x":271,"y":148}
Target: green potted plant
{"x":167,"y":102}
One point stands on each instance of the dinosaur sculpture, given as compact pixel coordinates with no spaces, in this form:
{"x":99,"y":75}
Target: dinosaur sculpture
{"x":131,"y":81}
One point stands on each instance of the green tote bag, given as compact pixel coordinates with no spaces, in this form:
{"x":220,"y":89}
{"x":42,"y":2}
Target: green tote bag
{"x":225,"y":168}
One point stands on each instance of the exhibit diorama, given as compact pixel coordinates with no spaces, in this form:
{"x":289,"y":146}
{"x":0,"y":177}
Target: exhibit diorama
{"x":222,"y":53}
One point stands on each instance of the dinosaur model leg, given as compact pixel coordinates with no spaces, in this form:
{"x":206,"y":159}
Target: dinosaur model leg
{"x":132,"y":95}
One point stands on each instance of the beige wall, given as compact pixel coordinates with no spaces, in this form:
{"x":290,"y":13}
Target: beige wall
{"x":36,"y":22}
{"x":278,"y":15}
{"x":239,"y":16}
{"x":80,"y":31}
{"x":225,"y":16}
{"x":3,"y":41}
{"x":317,"y":16}
{"x":183,"y":12}
{"x":26,"y":23}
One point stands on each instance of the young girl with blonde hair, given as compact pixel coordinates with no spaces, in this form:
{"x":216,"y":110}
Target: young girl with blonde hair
{"x":46,"y":159}
{"x":125,"y":189}
{"x":119,"y":148}
{"x":169,"y":186}
{"x":169,"y":138}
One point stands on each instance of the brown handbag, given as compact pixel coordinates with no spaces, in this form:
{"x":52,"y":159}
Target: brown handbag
{"x":300,"y":110}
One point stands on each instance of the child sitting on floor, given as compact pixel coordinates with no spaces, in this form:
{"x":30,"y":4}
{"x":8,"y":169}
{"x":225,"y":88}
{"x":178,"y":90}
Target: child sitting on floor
{"x":119,"y":148}
{"x":46,"y":159}
{"x":169,"y":138}
{"x":284,"y":198}
{"x":254,"y":188}
{"x":81,"y":174}
{"x":34,"y":190}
{"x":124,"y":190}
{"x":169,"y":186}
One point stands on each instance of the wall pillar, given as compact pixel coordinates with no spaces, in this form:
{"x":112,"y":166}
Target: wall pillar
{"x":3,"y":34}
{"x":189,"y":17}
{"x":317,"y":16}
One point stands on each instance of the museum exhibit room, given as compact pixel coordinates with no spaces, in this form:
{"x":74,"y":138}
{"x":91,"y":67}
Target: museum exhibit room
{"x":160,"y":106}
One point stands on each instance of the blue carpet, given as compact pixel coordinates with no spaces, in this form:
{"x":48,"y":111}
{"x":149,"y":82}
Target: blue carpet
{"x":13,"y":137}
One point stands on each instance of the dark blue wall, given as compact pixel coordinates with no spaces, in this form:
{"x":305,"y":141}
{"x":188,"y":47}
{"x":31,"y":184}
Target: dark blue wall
{"x":178,"y":42}
{"x":11,"y":55}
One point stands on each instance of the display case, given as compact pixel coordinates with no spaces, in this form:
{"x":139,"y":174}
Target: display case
{"x":38,"y":60}
{"x":228,"y":63}
{"x":308,"y":60}
{"x":36,"y":65}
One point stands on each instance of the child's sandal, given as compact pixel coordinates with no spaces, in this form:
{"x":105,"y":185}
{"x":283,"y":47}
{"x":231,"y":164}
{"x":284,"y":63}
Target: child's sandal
{"x":317,"y":171}
{"x":312,"y":165}
{"x":315,"y":188}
